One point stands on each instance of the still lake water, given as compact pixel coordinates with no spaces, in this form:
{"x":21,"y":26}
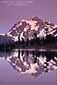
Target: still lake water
{"x":28,"y":67}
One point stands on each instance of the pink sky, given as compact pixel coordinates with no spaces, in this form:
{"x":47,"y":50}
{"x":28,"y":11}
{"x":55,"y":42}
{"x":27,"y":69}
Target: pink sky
{"x":12,"y":10}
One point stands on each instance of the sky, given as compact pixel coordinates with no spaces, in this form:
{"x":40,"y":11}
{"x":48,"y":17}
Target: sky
{"x":12,"y":11}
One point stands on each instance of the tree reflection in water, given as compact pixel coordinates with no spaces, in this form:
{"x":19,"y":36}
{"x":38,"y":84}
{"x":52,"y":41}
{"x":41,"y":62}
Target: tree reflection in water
{"x":31,"y":61}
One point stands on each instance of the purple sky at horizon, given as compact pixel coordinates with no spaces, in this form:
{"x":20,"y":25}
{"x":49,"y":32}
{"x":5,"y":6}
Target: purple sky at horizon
{"x":13,"y":10}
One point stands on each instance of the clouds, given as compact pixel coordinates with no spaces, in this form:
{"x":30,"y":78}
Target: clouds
{"x":16,"y":2}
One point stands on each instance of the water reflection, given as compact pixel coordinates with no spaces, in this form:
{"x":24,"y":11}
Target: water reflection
{"x":31,"y":61}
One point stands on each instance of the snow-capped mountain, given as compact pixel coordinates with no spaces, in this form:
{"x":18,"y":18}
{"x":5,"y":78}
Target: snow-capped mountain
{"x":33,"y":27}
{"x":29,"y":29}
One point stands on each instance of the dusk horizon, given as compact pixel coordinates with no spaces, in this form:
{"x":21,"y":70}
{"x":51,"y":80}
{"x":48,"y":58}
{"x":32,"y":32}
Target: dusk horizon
{"x":13,"y":10}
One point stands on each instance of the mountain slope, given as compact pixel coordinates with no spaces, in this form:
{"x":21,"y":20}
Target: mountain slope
{"x":33,"y":30}
{"x":34,"y":26}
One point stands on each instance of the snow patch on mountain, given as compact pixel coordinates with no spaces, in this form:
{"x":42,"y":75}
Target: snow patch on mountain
{"x":27,"y":29}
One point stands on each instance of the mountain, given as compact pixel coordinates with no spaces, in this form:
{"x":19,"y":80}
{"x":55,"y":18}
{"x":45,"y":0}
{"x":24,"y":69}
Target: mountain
{"x":31,"y":28}
{"x":31,"y":31}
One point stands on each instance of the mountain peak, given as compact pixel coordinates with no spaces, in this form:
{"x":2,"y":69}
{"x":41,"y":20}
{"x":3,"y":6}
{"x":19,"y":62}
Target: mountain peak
{"x":35,"y":24}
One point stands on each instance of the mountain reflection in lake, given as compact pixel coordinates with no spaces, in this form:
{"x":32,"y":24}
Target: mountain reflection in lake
{"x":31,"y":61}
